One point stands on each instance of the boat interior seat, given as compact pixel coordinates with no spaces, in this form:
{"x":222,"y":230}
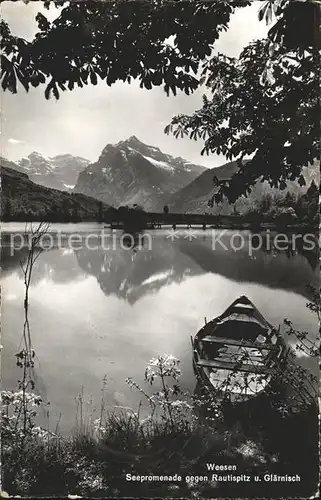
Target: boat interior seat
{"x":255,"y":369}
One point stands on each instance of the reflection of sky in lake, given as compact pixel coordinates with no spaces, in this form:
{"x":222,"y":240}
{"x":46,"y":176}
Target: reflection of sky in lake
{"x":94,"y":313}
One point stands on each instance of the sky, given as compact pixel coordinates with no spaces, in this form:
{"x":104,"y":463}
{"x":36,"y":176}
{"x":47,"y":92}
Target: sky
{"x":84,"y":120}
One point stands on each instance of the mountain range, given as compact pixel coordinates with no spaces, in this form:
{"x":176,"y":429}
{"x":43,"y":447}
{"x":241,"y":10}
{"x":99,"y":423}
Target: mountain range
{"x":132,"y":172}
{"x":58,"y":172}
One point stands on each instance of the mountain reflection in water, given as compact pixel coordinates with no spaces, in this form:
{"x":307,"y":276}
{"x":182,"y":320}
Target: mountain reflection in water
{"x":132,"y":276}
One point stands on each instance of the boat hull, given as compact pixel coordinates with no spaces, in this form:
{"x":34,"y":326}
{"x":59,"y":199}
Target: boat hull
{"x":243,"y":366}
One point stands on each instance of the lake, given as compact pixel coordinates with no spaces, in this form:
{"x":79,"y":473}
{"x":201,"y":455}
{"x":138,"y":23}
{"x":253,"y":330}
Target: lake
{"x":103,"y":313}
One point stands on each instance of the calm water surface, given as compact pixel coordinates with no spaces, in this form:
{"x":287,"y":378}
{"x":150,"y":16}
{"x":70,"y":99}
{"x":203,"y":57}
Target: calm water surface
{"x":96,"y":313}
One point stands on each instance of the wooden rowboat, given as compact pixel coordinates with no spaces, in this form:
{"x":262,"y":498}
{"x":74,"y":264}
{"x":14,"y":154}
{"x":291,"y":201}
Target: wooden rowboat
{"x":238,"y":354}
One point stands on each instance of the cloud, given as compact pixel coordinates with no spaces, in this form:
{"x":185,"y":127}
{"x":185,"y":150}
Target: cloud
{"x":15,"y":141}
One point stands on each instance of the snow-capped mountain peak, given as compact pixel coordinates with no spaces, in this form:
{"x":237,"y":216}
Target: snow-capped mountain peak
{"x":133,"y":172}
{"x":154,"y":155}
{"x":58,"y":172}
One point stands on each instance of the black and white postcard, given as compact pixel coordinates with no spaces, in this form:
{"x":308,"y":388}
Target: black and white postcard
{"x":160,"y":307}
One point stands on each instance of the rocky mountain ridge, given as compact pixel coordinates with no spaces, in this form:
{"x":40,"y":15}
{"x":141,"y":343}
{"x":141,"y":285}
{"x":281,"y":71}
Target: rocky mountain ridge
{"x":57,"y":172}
